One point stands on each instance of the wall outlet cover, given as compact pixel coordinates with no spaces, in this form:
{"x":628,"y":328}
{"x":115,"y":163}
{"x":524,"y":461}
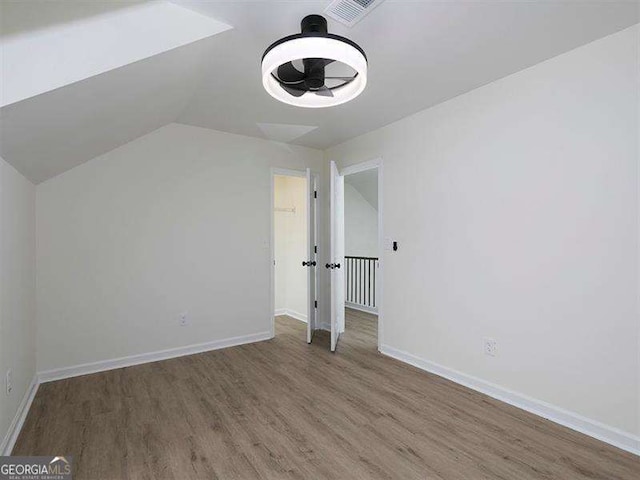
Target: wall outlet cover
{"x":489,"y":346}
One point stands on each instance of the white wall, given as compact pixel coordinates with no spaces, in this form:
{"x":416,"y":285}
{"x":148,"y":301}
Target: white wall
{"x":360,"y":225}
{"x":17,"y":291}
{"x":516,"y":210}
{"x":290,"y":245}
{"x":177,"y":220}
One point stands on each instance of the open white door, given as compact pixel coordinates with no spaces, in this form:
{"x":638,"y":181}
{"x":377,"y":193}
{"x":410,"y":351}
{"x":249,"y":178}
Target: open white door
{"x":337,"y":255}
{"x":311,"y":261}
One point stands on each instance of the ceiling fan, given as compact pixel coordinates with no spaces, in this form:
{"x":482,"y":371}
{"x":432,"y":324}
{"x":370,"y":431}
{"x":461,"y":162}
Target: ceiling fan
{"x":297,"y":69}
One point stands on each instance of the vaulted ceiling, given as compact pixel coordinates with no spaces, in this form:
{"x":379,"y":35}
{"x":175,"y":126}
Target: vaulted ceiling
{"x":82,"y":78}
{"x":366,"y":183}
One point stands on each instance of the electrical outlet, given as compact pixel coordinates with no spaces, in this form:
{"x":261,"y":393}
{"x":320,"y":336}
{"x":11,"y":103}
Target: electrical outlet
{"x":489,"y":346}
{"x":184,"y":319}
{"x":8,"y":382}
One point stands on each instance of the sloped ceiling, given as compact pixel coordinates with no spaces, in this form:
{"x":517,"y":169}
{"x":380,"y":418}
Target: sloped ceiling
{"x":366,"y":183}
{"x":39,"y":58}
{"x":82,"y":78}
{"x":48,"y":134}
{"x":420,"y":54}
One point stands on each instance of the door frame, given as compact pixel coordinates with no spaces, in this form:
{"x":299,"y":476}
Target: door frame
{"x":357,"y":168}
{"x":275,"y":171}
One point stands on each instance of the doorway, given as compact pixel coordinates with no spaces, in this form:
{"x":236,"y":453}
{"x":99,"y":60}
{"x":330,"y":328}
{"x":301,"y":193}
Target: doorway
{"x":361,"y":225}
{"x":356,"y":254}
{"x":294,"y":252}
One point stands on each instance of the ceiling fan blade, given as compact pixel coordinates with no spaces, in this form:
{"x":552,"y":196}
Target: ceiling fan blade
{"x":324,"y":92}
{"x":296,"y":92}
{"x":289,"y":74}
{"x":338,"y":82}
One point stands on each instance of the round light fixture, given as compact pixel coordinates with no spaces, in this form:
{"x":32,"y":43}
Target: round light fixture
{"x":314,"y":69}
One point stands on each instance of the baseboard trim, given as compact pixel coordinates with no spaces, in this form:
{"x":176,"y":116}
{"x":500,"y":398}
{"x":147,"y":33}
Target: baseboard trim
{"x":297,"y":315}
{"x":361,"y":308}
{"x":102,"y":366}
{"x":10,"y":438}
{"x":611,"y":435}
{"x":291,"y":313}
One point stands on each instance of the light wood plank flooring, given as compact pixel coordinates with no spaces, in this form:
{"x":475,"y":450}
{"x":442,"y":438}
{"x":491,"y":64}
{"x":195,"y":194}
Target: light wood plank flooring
{"x":282,"y":409}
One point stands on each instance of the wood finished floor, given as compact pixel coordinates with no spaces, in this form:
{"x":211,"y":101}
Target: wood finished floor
{"x":282,"y":409}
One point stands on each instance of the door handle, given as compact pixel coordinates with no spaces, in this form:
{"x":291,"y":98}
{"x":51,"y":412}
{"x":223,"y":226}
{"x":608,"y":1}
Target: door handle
{"x":332,"y":265}
{"x":309,"y":264}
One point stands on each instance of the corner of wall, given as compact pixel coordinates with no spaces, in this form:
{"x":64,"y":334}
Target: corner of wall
{"x":17,"y":299}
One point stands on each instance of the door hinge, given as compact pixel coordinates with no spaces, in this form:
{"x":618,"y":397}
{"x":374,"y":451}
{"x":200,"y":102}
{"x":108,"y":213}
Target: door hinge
{"x":315,"y":194}
{"x":315,"y":304}
{"x":315,"y":249}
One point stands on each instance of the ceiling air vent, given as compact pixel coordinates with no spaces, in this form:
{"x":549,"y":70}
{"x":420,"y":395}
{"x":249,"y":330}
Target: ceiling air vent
{"x":350,"y":12}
